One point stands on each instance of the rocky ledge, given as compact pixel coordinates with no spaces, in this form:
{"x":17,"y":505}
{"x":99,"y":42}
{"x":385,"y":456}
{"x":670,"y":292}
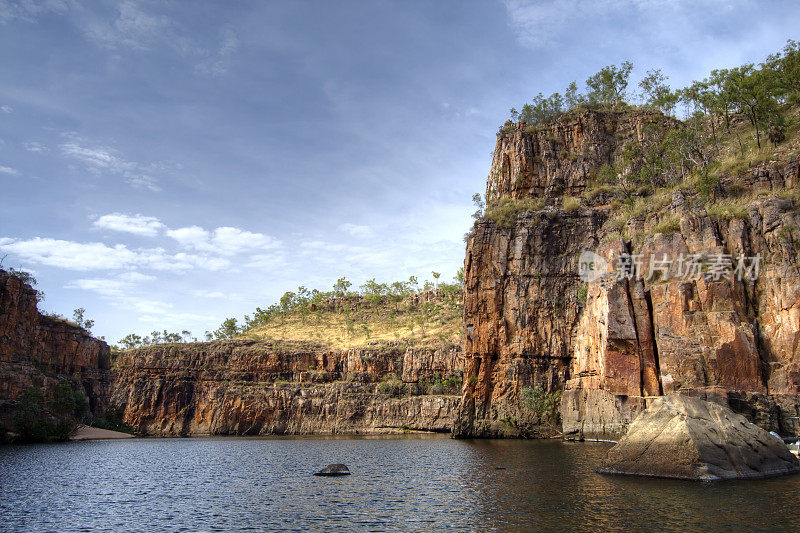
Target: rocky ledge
{"x":251,"y":387}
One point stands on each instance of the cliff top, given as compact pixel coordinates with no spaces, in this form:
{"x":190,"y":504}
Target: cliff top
{"x":430,"y":317}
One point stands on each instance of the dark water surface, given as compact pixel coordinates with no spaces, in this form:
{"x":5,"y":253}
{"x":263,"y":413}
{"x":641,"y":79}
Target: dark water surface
{"x":417,"y":484}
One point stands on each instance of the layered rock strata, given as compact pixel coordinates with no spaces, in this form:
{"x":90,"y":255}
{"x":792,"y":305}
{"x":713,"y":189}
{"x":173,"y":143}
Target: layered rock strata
{"x":38,"y":351}
{"x":611,"y":344}
{"x":244,"y":387}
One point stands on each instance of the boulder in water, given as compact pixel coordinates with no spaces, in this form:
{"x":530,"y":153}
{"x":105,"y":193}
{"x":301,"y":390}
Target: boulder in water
{"x":689,"y":438}
{"x":337,"y":469}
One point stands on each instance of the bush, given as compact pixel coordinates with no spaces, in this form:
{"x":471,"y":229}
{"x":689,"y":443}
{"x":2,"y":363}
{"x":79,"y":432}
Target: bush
{"x":668,"y":224}
{"x":571,"y":204}
{"x":727,"y":210}
{"x":393,"y":387}
{"x":541,"y":405}
{"x":58,"y":421}
{"x":112,"y":419}
{"x":505,"y":213}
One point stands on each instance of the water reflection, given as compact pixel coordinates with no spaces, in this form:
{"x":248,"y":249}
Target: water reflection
{"x":397,"y":484}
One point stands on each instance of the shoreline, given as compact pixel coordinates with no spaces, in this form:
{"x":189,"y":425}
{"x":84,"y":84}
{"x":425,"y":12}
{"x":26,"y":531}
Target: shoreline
{"x":92,"y":433}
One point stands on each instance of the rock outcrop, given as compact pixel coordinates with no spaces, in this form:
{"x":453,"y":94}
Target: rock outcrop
{"x":248,"y":387}
{"x":689,"y":438}
{"x":38,"y":351}
{"x":611,"y":344}
{"x":521,"y":286}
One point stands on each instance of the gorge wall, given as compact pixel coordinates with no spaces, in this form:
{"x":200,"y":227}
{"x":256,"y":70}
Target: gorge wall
{"x":252,"y":387}
{"x":613,"y":343}
{"x":38,"y":351}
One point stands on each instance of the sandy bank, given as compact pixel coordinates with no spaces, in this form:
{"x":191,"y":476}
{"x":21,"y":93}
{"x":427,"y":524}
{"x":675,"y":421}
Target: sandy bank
{"x":92,"y":433}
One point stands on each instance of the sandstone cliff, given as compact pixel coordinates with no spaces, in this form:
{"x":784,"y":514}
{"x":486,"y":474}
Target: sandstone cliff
{"x":257,"y":387}
{"x":38,"y":351}
{"x":530,"y":321}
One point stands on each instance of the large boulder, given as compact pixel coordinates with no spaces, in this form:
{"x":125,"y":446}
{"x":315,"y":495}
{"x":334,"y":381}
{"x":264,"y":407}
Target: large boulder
{"x":689,"y":438}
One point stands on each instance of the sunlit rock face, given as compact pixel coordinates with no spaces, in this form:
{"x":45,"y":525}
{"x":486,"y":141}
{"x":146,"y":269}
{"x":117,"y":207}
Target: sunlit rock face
{"x":611,"y":343}
{"x":685,"y":437}
{"x":37,"y":351}
{"x":244,"y":387}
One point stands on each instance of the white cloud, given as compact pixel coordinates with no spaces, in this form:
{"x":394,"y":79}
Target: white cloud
{"x":190,"y":237}
{"x":207,"y":294}
{"x":224,"y":240}
{"x":6,"y":109}
{"x":36,"y":147}
{"x":104,"y":287}
{"x":103,"y":159}
{"x":98,"y":256}
{"x":136,"y":224}
{"x":9,"y":170}
{"x":361,"y":232}
{"x":230,"y":241}
{"x":135,"y":277}
{"x":325,"y":246}
{"x":69,"y":254}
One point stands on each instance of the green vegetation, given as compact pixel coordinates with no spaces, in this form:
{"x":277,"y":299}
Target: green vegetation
{"x":157,"y":337}
{"x":111,"y":419}
{"x":732,"y":120}
{"x":571,"y":204}
{"x":392,"y":386}
{"x":81,"y":321}
{"x":728,"y":209}
{"x":583,"y":292}
{"x":505,"y":213}
{"x":540,"y":406}
{"x":25,"y":277}
{"x":342,"y":317}
{"x":38,"y":420}
{"x":670,"y":223}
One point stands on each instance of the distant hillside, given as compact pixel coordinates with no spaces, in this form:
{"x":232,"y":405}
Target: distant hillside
{"x":428,"y":317}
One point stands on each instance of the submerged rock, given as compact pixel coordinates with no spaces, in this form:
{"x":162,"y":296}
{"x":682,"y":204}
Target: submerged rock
{"x":689,"y":438}
{"x":337,"y":469}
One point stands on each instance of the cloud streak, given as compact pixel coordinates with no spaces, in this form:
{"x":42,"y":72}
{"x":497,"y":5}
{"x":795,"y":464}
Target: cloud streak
{"x":82,"y":256}
{"x":135,"y":224}
{"x":101,"y":160}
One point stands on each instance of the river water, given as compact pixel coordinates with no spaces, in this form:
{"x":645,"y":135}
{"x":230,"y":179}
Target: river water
{"x":409,"y":484}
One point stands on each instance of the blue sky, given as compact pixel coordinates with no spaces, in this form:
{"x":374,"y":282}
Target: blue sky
{"x":167,"y":164}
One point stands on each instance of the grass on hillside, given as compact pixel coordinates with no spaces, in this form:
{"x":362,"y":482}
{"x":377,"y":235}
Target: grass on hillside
{"x":434,"y":322}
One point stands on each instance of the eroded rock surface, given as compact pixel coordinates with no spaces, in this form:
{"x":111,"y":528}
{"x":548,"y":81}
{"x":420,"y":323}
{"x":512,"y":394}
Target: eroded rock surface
{"x":37,"y":351}
{"x":610,"y":345}
{"x":244,"y":387}
{"x":689,"y":438}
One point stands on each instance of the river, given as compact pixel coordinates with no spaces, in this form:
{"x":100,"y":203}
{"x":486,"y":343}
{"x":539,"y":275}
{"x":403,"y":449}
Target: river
{"x":398,"y":483}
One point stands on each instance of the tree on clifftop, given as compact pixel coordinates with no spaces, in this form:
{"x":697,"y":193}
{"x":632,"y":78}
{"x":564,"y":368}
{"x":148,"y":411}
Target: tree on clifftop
{"x":609,"y":85}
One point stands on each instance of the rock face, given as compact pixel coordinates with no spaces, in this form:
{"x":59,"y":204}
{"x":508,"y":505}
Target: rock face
{"x":521,"y":284}
{"x":244,"y":387}
{"x":38,"y":351}
{"x":610,"y":344}
{"x":729,"y":338}
{"x":689,"y":438}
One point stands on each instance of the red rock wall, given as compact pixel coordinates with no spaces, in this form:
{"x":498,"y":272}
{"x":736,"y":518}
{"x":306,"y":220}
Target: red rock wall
{"x":244,"y":387}
{"x":632,"y":339}
{"x":37,"y":351}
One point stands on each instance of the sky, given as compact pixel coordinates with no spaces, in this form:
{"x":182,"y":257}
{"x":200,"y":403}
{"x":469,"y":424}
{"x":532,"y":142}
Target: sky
{"x":168,"y":164}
